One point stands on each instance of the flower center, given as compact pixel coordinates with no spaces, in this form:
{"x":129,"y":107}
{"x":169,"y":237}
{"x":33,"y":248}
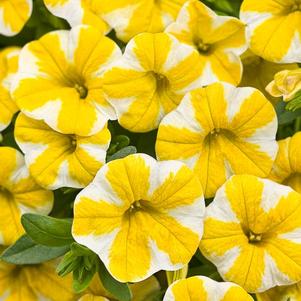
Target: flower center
{"x":202,"y":47}
{"x":296,"y":6}
{"x":5,"y":193}
{"x":81,"y":90}
{"x":254,"y":237}
{"x":136,"y":206}
{"x":162,"y":83}
{"x":73,"y":142}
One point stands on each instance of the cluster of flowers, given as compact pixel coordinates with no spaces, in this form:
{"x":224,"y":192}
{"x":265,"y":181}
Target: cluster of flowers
{"x":199,"y":79}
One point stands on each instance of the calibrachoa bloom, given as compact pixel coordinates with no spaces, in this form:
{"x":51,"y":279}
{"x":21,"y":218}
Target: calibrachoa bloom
{"x":151,"y":79}
{"x":287,"y":167}
{"x":258,"y":73}
{"x":286,"y":84}
{"x":59,"y":80}
{"x":252,"y":233}
{"x":60,"y":160}
{"x":13,"y":15}
{"x":78,"y":12}
{"x":218,"y":131}
{"x":34,"y":283}
{"x":273,"y":29}
{"x":19,"y":194}
{"x":140,"y":216}
{"x":219,"y":40}
{"x":9,"y":65}
{"x":199,"y":288}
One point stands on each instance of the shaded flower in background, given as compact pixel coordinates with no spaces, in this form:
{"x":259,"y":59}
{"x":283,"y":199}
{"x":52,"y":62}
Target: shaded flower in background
{"x":9,"y":65}
{"x":273,"y":29}
{"x":13,"y":16}
{"x":151,"y":79}
{"x":202,"y":288}
{"x":140,"y":216}
{"x":19,"y":194}
{"x":218,"y":131}
{"x":252,"y":233}
{"x":59,"y":80}
{"x":287,"y":166}
{"x":220,"y":40}
{"x":60,"y":160}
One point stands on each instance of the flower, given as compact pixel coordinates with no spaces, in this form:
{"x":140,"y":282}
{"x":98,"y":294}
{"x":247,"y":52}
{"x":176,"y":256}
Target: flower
{"x":258,"y":73}
{"x":273,"y":29}
{"x":286,"y":84}
{"x":34,"y":283}
{"x":202,"y":288}
{"x":78,"y":12}
{"x":19,"y":194}
{"x":9,"y":66}
{"x":60,"y":160}
{"x":13,"y":16}
{"x":219,"y":41}
{"x":287,"y":166}
{"x":151,"y":79}
{"x":140,"y":216}
{"x":218,"y":131}
{"x":252,"y":233}
{"x":59,"y":80}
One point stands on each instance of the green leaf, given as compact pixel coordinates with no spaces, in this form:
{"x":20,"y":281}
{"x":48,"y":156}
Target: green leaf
{"x":80,"y":250}
{"x":295,"y":103}
{"x":82,"y":279}
{"x":26,"y":251}
{"x":120,"y":291}
{"x":285,"y":116}
{"x":122,"y":153}
{"x":48,"y":231}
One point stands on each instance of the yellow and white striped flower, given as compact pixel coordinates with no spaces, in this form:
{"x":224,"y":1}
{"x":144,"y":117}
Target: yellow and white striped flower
{"x":140,"y":216}
{"x":151,"y":79}
{"x":19,"y":194}
{"x":78,"y":12}
{"x":273,"y":29}
{"x":34,"y":283}
{"x":59,"y":80}
{"x":287,"y":166}
{"x":202,"y":288}
{"x":252,"y":233}
{"x":9,"y":65}
{"x":218,"y":131}
{"x":13,"y":16}
{"x":60,"y":160}
{"x":220,"y":40}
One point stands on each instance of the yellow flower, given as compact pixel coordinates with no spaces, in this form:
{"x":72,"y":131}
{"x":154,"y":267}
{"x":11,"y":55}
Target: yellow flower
{"x":140,"y":216}
{"x":219,"y":40}
{"x":60,"y":160}
{"x":218,"y":131}
{"x":59,"y":80}
{"x":9,"y":65}
{"x":13,"y":15}
{"x":199,"y":288}
{"x":287,"y":167}
{"x":19,"y":194}
{"x":78,"y":12}
{"x":252,"y":233}
{"x":34,"y":283}
{"x":151,"y":79}
{"x":286,"y":84}
{"x":258,"y":73}
{"x":273,"y":29}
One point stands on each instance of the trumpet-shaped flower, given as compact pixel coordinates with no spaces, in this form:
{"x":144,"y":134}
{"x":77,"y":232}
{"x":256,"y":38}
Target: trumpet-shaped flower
{"x":59,"y":80}
{"x":19,"y":194}
{"x":13,"y":16}
{"x":199,"y":288}
{"x":219,"y":40}
{"x":78,"y":12}
{"x":9,"y":65}
{"x":60,"y":160}
{"x":258,"y":73}
{"x":34,"y":283}
{"x":273,"y":29}
{"x":252,"y":233}
{"x":140,"y":216}
{"x":287,"y":166}
{"x":218,"y":131}
{"x":151,"y":79}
